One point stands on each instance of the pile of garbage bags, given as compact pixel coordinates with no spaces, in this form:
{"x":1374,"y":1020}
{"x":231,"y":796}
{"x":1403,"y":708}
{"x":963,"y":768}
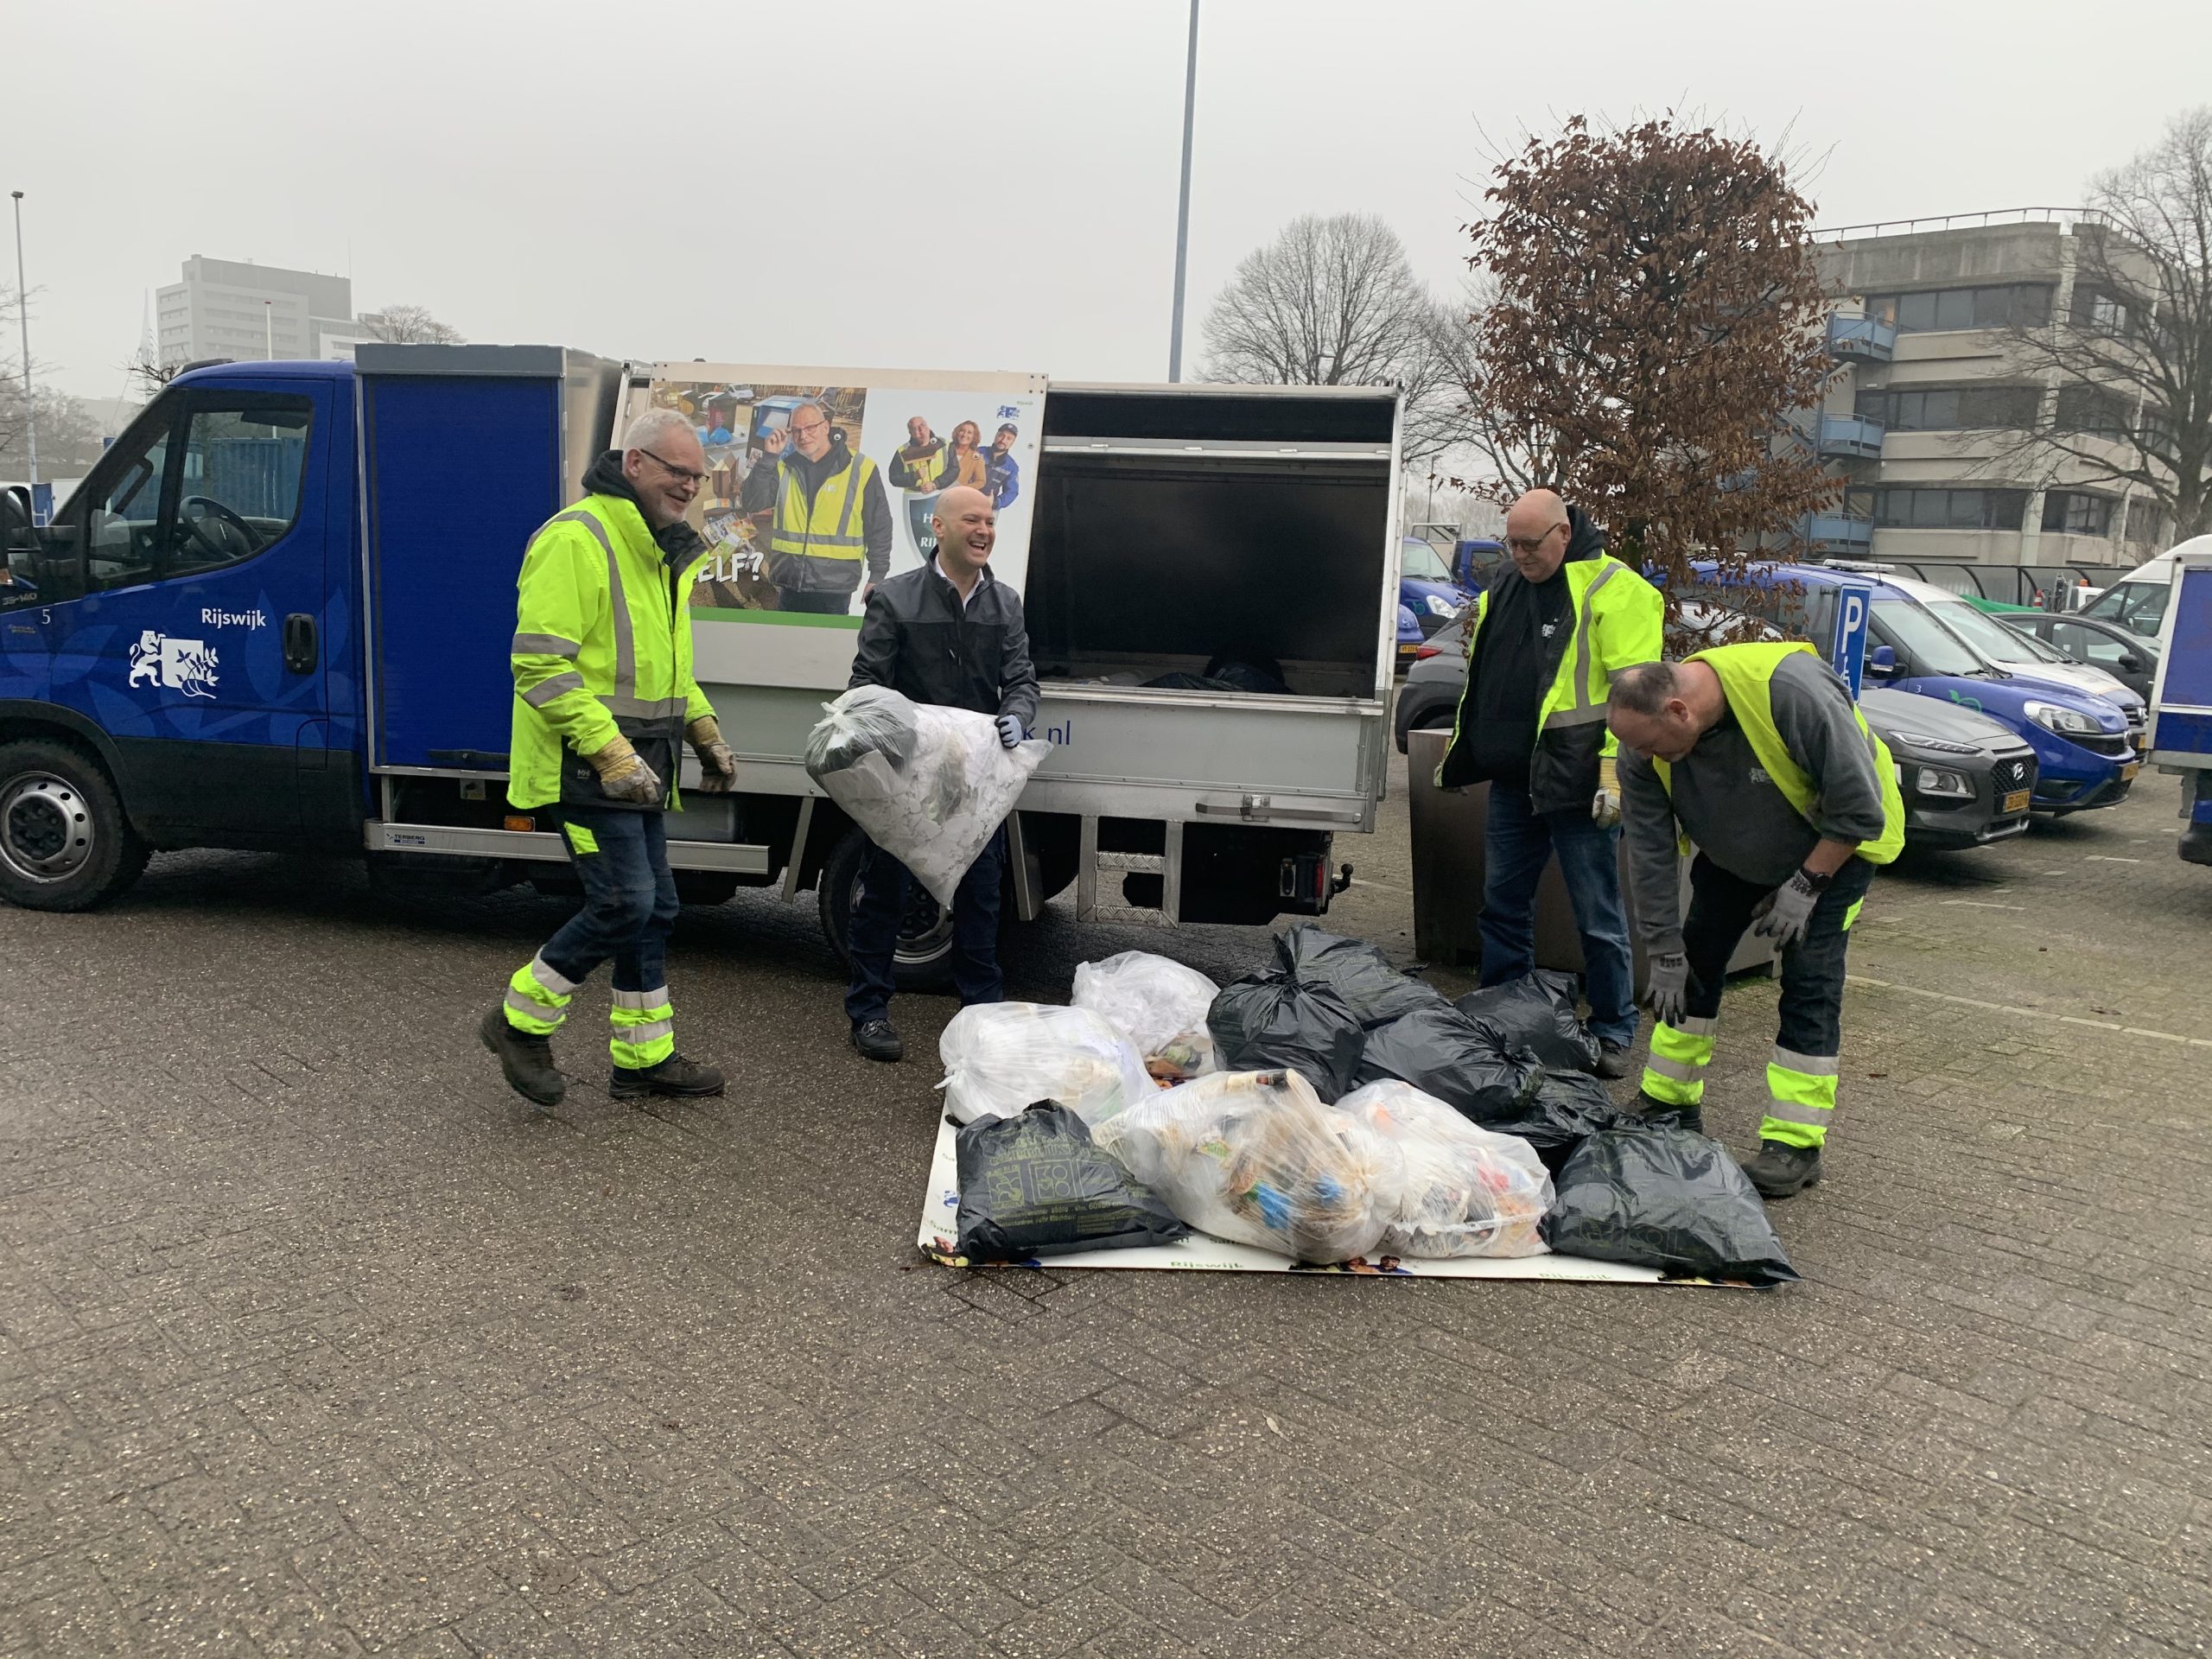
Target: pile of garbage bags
{"x":929,"y":784}
{"x":1328,"y":1107}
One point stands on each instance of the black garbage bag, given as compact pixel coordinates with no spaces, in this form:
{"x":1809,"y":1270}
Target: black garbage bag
{"x":1565,"y":1108}
{"x":1277,"y":1022}
{"x":1249,"y":674}
{"x":1461,"y":1061}
{"x":1037,"y":1184}
{"x":1537,"y":1011}
{"x":1657,"y":1196}
{"x":1180,"y":681}
{"x":1354,"y":970}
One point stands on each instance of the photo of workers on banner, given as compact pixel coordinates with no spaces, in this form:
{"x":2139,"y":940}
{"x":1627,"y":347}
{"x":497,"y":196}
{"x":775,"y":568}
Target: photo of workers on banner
{"x":815,"y":494}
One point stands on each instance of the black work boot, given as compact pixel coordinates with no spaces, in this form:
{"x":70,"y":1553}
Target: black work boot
{"x":526,"y":1057}
{"x":1689,"y":1117}
{"x":676,"y":1077}
{"x":1780,"y":1171}
{"x":877,"y":1040}
{"x":1614,"y":1061}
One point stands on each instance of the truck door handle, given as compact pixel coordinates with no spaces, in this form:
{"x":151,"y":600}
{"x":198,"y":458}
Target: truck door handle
{"x":299,"y":643}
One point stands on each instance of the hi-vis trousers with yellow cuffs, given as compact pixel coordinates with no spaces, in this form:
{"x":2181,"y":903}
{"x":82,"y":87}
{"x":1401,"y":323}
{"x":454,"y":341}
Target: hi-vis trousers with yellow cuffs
{"x":1801,"y":1077}
{"x":630,"y":906}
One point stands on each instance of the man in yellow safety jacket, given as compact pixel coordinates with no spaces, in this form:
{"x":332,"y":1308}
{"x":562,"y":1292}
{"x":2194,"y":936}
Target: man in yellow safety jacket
{"x":604,"y":694}
{"x":1531,"y":722}
{"x":1757,"y":754}
{"x":827,"y":515}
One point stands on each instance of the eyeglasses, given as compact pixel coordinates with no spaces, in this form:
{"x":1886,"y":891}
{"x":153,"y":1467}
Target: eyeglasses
{"x":683,"y":473}
{"x":1533,"y":545}
{"x":813,"y":426}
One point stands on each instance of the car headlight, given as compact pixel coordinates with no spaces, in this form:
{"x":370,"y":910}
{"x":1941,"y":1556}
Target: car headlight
{"x":2070,"y":722}
{"x":1440,"y":606}
{"x":1942,"y":783}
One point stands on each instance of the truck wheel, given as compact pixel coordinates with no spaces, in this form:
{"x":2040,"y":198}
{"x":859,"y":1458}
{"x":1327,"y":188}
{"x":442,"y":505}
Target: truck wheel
{"x":65,"y":843}
{"x":922,"y":961}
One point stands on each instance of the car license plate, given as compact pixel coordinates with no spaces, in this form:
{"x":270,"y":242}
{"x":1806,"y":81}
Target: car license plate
{"x":2128,"y":772}
{"x":2016,"y":800}
{"x":1408,"y":651}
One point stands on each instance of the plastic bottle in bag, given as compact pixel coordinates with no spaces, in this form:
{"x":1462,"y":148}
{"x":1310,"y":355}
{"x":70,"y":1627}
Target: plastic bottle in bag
{"x":1448,"y":1188}
{"x":1000,"y":1058}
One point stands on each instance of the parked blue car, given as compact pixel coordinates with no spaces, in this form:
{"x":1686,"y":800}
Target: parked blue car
{"x":2087,"y":750}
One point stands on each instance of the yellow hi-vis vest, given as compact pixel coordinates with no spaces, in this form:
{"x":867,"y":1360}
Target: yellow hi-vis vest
{"x":1747,"y":675}
{"x":924,"y":469}
{"x":601,"y":648}
{"x":829,"y":528}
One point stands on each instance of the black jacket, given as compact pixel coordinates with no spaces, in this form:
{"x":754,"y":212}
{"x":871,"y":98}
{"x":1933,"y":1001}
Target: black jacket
{"x":917,"y":639}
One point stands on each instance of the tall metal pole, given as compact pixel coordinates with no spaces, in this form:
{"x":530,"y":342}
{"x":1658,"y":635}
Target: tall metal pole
{"x":269,"y":329}
{"x":23,"y":312}
{"x":1183,"y":207}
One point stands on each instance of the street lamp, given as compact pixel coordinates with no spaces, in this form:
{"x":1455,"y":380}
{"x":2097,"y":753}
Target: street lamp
{"x":24,"y":312}
{"x":268,"y":330}
{"x":1183,"y":206}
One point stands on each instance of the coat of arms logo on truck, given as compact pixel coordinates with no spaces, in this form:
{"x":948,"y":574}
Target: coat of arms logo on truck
{"x":185,"y":665}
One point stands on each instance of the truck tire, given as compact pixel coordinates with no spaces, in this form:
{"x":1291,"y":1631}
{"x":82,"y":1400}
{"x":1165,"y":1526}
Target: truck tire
{"x":922,"y":961}
{"x":65,"y":843}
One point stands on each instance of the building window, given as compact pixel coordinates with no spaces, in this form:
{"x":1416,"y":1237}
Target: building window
{"x":2076,"y":513}
{"x":1946,"y":509}
{"x":1951,"y":409}
{"x":2009,"y":304}
{"x":2147,"y":525}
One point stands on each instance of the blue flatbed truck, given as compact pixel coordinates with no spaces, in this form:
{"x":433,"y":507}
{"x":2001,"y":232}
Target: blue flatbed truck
{"x":276,"y":616}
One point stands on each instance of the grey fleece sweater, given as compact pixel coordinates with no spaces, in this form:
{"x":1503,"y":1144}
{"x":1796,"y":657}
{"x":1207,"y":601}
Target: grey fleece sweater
{"x":1724,"y":801}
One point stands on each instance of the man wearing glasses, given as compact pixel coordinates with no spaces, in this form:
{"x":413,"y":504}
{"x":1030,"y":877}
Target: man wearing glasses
{"x":1542,"y":646}
{"x":826,"y":514}
{"x":604,"y":692}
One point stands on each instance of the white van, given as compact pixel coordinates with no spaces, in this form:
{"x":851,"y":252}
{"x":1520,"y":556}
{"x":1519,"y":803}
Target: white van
{"x":2139,"y":603}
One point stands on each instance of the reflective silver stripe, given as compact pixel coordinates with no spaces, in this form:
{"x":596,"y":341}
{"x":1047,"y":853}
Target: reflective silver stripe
{"x":790,"y":540}
{"x":1680,"y":1070}
{"x":642,"y":708}
{"x":618,"y":604}
{"x":1690,"y":1028}
{"x":1785,"y":1111}
{"x":543,"y":644}
{"x":641,"y":999}
{"x":852,"y":534}
{"x":1588,"y":715}
{"x":557,"y":686}
{"x":530,"y":1010}
{"x":542,"y":972}
{"x":638,"y":1036}
{"x":1583,"y":711}
{"x":1813,"y":1065}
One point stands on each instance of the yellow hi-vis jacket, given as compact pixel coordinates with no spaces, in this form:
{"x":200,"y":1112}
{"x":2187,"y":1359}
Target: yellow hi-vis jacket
{"x":818,"y":547}
{"x":603,"y":646}
{"x":1747,"y":675}
{"x":1615,"y":619}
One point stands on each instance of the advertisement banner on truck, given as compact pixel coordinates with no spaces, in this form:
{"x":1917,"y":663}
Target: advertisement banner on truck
{"x":820,"y":484}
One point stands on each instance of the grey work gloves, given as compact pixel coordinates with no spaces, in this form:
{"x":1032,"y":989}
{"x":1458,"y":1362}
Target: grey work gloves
{"x":1010,"y":731}
{"x":623,"y":776}
{"x":1671,"y":984}
{"x":717,"y":767}
{"x":1790,"y":911}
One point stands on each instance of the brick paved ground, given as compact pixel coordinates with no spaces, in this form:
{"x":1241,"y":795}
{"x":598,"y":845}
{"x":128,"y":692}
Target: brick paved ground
{"x":312,"y":1340}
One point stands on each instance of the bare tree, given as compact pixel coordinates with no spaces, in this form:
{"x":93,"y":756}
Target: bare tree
{"x":1335,"y":303}
{"x":147,"y":374}
{"x":68,"y":439}
{"x":1647,"y":325}
{"x":2132,"y":352}
{"x":410,"y":325}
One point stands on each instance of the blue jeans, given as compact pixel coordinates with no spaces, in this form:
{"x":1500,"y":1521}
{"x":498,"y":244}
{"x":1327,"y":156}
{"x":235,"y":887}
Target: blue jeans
{"x":1517,"y":844}
{"x":630,"y":903}
{"x":885,"y":889}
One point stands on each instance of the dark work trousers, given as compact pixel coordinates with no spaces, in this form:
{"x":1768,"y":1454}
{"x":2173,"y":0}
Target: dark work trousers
{"x":790,"y":599}
{"x":1518,"y":842}
{"x":1721,"y":907}
{"x":885,"y":889}
{"x":630,"y":903}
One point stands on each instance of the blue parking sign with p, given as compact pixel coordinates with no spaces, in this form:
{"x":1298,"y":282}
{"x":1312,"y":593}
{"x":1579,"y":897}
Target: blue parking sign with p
{"x":1847,"y":656}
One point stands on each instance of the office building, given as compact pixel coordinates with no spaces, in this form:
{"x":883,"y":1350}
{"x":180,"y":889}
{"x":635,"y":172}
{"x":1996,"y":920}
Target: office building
{"x":223,"y":307}
{"x":1926,"y":414}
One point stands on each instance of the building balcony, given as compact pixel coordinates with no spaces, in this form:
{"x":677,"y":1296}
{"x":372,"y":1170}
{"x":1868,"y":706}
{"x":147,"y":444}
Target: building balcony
{"x":1839,"y":437}
{"x":1861,"y":339}
{"x":1837,"y":532}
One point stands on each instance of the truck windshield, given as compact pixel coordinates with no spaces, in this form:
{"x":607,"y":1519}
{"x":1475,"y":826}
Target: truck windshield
{"x":1419,"y":560}
{"x":1933,"y":647}
{"x":2139,"y":607}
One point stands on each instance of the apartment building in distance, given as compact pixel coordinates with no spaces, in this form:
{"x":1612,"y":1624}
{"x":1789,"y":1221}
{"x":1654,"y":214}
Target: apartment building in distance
{"x":1926,"y":416}
{"x":250,"y":312}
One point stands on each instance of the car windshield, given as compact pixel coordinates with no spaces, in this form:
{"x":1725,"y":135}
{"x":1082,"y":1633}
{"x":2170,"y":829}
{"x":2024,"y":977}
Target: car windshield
{"x":1989,"y":636}
{"x":1934,"y":648}
{"x":2139,"y":607}
{"x":1417,"y":559}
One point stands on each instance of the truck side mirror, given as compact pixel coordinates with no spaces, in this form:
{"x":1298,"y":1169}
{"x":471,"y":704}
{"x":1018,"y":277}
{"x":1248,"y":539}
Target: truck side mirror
{"x":1882,"y":660}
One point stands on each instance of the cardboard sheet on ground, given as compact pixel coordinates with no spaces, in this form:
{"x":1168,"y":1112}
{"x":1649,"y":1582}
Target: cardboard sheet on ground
{"x":940,"y":1231}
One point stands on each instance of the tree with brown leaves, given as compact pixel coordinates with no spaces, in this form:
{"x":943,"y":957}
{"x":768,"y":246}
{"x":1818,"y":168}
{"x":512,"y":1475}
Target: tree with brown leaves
{"x":1650,"y":323}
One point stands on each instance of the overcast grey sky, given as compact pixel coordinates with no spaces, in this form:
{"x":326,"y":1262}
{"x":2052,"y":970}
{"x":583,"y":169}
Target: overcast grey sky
{"x":986,"y":185}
